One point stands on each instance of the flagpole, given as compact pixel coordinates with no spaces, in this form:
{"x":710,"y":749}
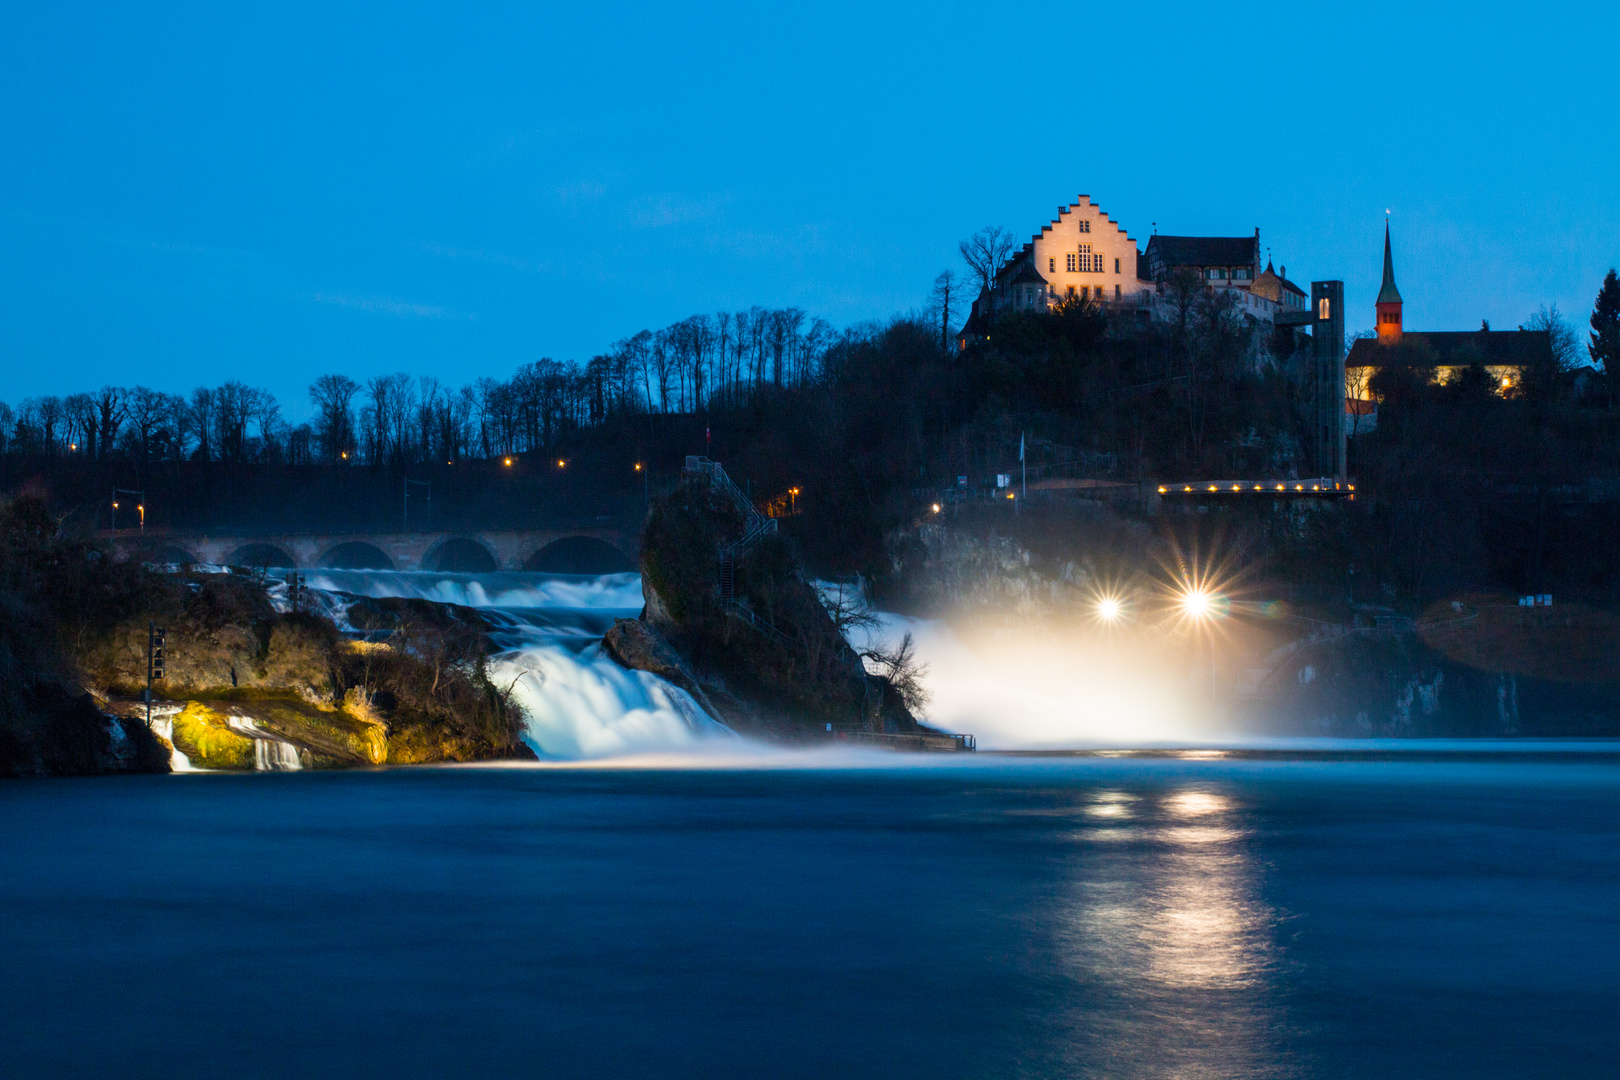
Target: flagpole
{"x":1024,"y":466}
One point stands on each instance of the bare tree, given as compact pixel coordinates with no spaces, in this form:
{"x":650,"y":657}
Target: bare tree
{"x":200,"y":421}
{"x":112,"y":406}
{"x":80,"y":411}
{"x":722,"y":345}
{"x":986,"y":252}
{"x":333,"y":398}
{"x":941,"y":301}
{"x":900,"y":666}
{"x":1565,"y":344}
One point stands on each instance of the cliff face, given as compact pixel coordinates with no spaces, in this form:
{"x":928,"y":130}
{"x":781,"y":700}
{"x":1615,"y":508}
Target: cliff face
{"x":1409,"y":684}
{"x":242,"y":682}
{"x":245,"y":673}
{"x":769,"y":660}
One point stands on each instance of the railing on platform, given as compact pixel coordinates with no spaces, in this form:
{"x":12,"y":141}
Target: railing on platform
{"x":912,"y":742}
{"x":1317,"y":487}
{"x":756,"y":527}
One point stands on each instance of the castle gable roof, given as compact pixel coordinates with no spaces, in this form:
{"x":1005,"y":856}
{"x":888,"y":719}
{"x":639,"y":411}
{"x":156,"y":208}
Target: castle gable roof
{"x":1028,"y":275}
{"x":1174,"y":252}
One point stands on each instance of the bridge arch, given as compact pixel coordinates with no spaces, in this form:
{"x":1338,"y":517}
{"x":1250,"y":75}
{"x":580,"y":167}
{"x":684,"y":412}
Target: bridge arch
{"x":579,"y":555}
{"x":461,"y":555}
{"x":356,"y":555}
{"x":167,"y":553}
{"x":260,"y":554}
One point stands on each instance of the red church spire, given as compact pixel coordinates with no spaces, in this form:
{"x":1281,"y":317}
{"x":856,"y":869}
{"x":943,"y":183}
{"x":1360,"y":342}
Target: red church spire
{"x":1389,"y":298}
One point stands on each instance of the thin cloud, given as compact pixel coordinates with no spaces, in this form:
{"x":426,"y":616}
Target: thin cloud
{"x":385,"y":306}
{"x":500,"y":258}
{"x":662,"y":211}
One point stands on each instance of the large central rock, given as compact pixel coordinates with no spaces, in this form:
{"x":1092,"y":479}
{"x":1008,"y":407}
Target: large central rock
{"x":770,"y":661}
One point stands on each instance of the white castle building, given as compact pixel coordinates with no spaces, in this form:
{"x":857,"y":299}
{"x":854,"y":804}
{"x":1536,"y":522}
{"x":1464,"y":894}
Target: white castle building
{"x":1083,"y":254}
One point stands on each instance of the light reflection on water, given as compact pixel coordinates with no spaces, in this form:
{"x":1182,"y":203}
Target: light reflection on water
{"x":1164,"y":917}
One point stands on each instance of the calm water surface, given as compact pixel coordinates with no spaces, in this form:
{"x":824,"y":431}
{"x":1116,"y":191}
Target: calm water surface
{"x":1052,"y":917}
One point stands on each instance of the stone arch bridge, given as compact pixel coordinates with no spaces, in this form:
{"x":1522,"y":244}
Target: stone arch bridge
{"x":562,"y":550}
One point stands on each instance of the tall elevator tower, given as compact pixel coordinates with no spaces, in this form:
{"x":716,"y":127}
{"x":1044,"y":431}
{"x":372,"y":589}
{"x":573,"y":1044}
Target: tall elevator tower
{"x":1327,"y":377}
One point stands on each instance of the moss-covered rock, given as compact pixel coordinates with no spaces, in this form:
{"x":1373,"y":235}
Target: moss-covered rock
{"x":204,"y":736}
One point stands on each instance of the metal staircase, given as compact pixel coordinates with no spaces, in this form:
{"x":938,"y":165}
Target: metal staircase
{"x":756,"y":527}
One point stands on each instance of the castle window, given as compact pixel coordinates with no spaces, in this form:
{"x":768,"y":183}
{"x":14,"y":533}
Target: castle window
{"x":1216,"y":273}
{"x":1116,"y":292}
{"x":1323,"y":308}
{"x":1085,"y":226}
{"x":1116,"y":266}
{"x":1071,"y":262}
{"x":1097,"y":264}
{"x":1051,"y":265}
{"x":1071,"y":290}
{"x":1242,"y":273}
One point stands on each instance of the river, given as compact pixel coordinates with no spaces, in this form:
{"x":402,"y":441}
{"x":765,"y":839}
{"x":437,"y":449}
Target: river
{"x":1436,"y":915}
{"x":658,"y":898}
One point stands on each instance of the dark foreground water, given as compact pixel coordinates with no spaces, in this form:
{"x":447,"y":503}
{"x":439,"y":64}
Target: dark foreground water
{"x":1001,"y":917}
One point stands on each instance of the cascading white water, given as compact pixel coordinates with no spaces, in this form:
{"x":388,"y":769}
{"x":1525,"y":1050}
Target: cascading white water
{"x":577,"y":701}
{"x":270,"y":753}
{"x":273,"y":755}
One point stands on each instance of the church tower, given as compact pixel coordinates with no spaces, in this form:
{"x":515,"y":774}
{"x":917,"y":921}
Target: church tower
{"x":1389,"y":299}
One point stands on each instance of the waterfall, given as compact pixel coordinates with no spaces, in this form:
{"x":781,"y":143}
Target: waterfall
{"x":577,"y":702}
{"x":273,"y":755}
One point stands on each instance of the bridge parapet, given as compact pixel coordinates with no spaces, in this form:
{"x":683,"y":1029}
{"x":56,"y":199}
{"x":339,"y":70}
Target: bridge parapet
{"x":594,"y":549}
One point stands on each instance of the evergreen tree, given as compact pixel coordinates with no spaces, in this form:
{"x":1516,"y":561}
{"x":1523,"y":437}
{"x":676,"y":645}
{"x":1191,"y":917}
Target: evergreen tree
{"x":1605,"y":344}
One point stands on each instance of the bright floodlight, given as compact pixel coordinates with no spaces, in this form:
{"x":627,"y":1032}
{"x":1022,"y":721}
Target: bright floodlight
{"x":1108,"y":609}
{"x":1197,"y":604}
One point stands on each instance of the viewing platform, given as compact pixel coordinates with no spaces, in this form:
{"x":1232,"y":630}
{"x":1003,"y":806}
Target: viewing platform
{"x":1322,"y":487}
{"x":921,"y":742}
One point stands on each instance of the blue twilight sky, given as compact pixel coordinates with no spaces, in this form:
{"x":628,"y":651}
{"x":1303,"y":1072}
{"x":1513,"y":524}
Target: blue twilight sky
{"x":189,"y":194}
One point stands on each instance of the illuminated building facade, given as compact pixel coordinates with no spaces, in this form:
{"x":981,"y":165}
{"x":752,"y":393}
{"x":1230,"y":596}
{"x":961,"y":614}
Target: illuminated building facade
{"x":1440,"y":355}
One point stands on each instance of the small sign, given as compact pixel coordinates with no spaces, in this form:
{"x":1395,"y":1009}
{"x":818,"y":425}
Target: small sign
{"x":961,"y":481}
{"x":1003,"y":480}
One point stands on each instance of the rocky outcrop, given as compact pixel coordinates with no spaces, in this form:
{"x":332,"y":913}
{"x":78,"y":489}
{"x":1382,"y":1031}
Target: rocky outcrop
{"x":634,"y":644}
{"x":1399,"y":684}
{"x":240,"y":676}
{"x":768,"y":659}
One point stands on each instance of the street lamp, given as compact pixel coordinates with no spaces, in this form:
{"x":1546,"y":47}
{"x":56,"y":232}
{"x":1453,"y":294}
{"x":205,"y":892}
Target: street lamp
{"x":140,"y":505}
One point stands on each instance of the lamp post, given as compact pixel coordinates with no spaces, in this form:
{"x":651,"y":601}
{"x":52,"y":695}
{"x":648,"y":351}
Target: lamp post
{"x":140,"y":505}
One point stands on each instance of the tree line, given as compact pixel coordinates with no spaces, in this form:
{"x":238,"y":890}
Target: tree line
{"x":699,"y":363}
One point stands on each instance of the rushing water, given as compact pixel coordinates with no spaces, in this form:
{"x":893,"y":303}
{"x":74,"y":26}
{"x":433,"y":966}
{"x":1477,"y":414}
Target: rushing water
{"x":1314,"y":915}
{"x":578,"y":702}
